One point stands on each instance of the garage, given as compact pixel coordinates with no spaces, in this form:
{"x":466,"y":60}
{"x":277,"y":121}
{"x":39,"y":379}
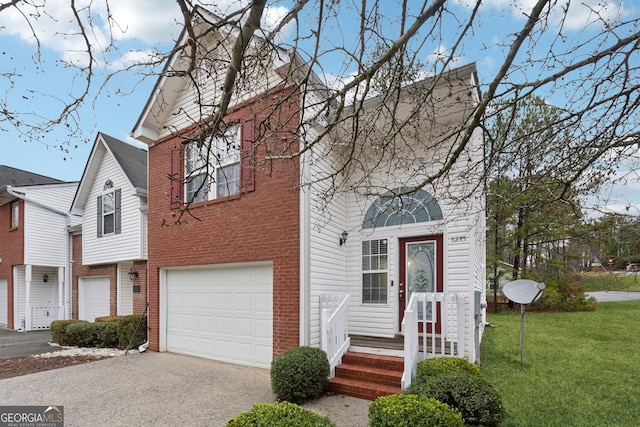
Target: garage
{"x":221,"y":313}
{"x":93,"y":298}
{"x":4,"y":303}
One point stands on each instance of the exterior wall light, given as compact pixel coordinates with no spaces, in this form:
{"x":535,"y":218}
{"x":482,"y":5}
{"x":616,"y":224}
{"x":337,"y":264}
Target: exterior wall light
{"x":343,"y":238}
{"x":133,"y":274}
{"x":45,"y":278}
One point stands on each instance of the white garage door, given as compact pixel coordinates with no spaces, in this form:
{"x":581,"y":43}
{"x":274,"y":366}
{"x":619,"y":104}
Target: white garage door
{"x":93,"y":298}
{"x":4,"y":303}
{"x":221,"y":313}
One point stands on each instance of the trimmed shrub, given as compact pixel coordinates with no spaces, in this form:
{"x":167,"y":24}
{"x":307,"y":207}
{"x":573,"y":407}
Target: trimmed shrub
{"x":406,"y":410}
{"x":85,"y":334}
{"x":107,"y":334}
{"x":477,"y":400}
{"x":562,"y":295}
{"x":108,"y":318}
{"x":300,"y":373}
{"x":444,"y":365}
{"x":282,"y":414}
{"x":127,"y":327}
{"x":58,"y":334}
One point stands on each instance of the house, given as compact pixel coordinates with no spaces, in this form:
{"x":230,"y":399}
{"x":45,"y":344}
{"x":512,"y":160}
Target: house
{"x":109,"y":245}
{"x":34,"y":276}
{"x":246,"y":257}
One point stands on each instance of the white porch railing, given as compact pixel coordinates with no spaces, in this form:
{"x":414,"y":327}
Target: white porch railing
{"x":334,"y":327}
{"x":41,"y":317}
{"x":419,"y":344}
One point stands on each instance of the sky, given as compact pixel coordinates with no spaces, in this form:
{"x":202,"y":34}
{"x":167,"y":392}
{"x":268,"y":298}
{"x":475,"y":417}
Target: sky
{"x":41,"y":83}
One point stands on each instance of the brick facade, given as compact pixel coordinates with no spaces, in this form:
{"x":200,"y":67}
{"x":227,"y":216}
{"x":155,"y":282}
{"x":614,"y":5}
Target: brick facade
{"x":258,"y":225}
{"x":11,"y":252}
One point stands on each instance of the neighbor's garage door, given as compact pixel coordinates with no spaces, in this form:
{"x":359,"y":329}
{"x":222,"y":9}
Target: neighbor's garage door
{"x":4,"y":302}
{"x":93,"y":298}
{"x":221,"y":313}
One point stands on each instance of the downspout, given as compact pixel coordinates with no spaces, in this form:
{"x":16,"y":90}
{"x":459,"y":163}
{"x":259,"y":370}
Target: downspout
{"x":305,"y":261}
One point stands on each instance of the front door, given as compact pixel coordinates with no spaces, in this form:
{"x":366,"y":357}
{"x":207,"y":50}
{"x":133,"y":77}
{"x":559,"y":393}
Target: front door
{"x":421,"y":270}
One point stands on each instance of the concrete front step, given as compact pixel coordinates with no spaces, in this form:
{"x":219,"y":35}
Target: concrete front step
{"x":368,"y":376}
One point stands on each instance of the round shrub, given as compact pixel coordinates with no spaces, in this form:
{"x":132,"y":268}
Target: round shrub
{"x":443,"y":365}
{"x":477,"y":400}
{"x":300,"y":373}
{"x":58,"y":334}
{"x":282,"y":414}
{"x":405,"y":410}
{"x":127,"y":326}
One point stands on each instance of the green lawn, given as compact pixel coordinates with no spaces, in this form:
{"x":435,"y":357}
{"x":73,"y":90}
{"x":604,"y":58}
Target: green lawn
{"x":611,"y":282}
{"x":580,"y":369}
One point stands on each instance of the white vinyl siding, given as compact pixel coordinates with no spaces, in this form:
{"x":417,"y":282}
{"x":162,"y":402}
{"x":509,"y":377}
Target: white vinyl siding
{"x":326,"y":259}
{"x":45,"y":236}
{"x":111,"y":248}
{"x":45,"y":223}
{"x":220,"y":313}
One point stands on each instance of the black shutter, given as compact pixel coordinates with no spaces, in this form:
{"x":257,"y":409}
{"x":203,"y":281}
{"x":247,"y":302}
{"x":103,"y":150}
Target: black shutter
{"x":99,"y":216}
{"x":117,"y":221}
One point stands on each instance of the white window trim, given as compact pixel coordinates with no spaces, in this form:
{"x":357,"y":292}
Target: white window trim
{"x":224,"y":152}
{"x":374,"y":271}
{"x":109,"y":191}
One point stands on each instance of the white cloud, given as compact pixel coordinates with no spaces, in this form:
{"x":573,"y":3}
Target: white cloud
{"x":578,"y":15}
{"x":55,"y":27}
{"x":140,"y":23}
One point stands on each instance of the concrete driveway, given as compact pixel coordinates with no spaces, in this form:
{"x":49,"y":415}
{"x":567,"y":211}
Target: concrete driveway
{"x":609,"y":296}
{"x":161,"y":389}
{"x":14,"y":343}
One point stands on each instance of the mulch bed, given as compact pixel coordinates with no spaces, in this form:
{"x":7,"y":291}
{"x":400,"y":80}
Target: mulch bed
{"x":17,"y":366}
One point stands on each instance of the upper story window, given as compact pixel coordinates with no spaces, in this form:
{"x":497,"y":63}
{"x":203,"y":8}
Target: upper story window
{"x":15,"y":214}
{"x":108,"y":207}
{"x":109,"y":210}
{"x":227,"y":167}
{"x":213,"y":171}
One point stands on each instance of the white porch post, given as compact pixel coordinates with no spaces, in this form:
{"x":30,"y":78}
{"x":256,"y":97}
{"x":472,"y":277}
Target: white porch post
{"x":27,"y":306}
{"x":61,"y":294}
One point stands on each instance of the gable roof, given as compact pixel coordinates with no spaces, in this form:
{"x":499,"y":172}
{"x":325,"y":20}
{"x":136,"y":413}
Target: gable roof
{"x":18,"y":177}
{"x":170,"y":83}
{"x":131,"y":160}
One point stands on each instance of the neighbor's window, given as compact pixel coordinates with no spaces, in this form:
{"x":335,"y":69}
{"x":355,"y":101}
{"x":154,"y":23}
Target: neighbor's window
{"x":108,"y":208}
{"x":15,"y":214}
{"x":374,"y":271}
{"x":213,"y":172}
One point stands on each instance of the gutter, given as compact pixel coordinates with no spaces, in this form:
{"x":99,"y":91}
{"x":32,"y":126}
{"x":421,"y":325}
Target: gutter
{"x":35,"y":202}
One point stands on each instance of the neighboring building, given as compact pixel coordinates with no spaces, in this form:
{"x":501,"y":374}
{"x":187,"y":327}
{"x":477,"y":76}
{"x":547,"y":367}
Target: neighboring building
{"x":242,"y":272}
{"x":111,"y":241}
{"x":34,"y":242}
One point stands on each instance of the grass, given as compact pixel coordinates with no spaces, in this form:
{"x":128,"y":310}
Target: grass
{"x":611,"y":282}
{"x":580,"y":369}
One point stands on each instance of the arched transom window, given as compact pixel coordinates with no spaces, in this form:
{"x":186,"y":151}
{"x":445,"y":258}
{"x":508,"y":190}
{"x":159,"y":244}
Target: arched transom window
{"x":402,"y":206}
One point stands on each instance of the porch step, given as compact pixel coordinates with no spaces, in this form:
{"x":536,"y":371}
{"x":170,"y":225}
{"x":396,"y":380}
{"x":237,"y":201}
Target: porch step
{"x":367,"y":376}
